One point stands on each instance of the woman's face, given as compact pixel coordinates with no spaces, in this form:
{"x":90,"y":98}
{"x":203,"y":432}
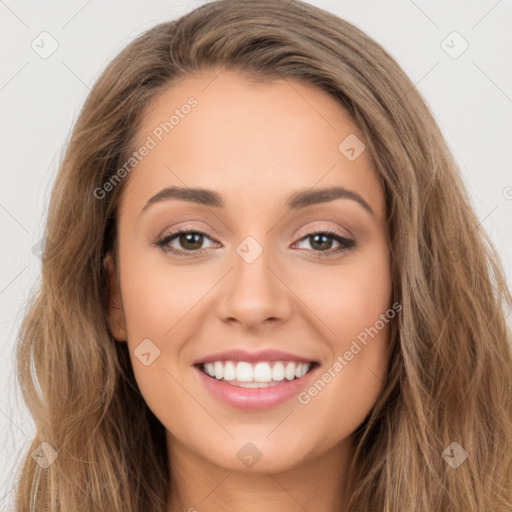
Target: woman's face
{"x":279,"y":276}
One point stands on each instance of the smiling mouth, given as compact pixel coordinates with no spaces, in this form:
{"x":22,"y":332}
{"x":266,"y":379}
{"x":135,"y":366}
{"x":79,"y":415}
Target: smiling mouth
{"x":256,"y":375}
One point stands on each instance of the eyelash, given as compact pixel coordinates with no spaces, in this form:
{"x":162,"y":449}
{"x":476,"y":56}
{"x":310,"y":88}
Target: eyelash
{"x":346,"y":243}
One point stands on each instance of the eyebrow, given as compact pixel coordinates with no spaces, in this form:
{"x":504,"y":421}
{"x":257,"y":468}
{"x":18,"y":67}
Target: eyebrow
{"x":297,"y":200}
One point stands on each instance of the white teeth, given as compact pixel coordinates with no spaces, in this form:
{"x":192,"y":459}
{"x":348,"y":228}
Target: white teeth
{"x":301,"y":370}
{"x":262,"y":374}
{"x":278,"y":371}
{"x":219,"y":370}
{"x":290,"y":371}
{"x":229,"y":372}
{"x":210,"y":369}
{"x":244,"y":372}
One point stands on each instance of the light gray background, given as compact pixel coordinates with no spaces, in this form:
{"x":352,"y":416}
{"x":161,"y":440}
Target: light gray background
{"x":470,"y":96}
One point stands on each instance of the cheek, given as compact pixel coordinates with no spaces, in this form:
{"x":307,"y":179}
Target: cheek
{"x":157,"y":295}
{"x":349,"y":298}
{"x":156,"y":300}
{"x":156,"y":308}
{"x":354,"y":305}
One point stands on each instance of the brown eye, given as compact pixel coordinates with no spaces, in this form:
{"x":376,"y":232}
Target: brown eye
{"x":321,"y":242}
{"x":191,"y":240}
{"x":186,"y":241}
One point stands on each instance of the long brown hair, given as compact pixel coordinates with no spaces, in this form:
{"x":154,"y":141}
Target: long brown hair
{"x":450,"y":371}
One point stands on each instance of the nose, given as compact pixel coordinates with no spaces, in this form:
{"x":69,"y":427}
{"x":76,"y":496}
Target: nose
{"x":255,"y":293}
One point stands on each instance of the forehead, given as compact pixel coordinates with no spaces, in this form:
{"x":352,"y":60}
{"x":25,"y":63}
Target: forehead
{"x":250,"y":140}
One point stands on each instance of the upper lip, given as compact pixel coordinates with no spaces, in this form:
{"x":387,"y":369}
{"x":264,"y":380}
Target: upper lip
{"x":250,"y":357}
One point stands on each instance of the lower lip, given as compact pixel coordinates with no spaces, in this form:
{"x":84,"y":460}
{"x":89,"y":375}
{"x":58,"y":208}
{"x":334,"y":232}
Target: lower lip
{"x":254,"y":398}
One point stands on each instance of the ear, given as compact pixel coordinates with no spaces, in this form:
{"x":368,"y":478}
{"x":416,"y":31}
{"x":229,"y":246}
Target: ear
{"x":115,"y":314}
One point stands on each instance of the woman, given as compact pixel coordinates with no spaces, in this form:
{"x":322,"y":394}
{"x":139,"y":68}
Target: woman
{"x":258,"y":368}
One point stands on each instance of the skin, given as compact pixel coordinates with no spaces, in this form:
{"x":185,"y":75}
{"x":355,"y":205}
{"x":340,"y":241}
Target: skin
{"x":255,"y":144}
